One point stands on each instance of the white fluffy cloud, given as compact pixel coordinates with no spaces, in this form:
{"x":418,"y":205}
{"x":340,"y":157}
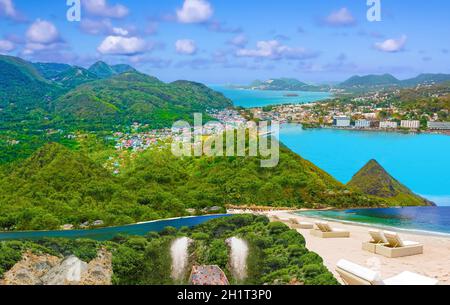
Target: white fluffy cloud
{"x":195,"y":11}
{"x":96,"y":27}
{"x":119,"y":45}
{"x":6,"y":46}
{"x":102,"y":9}
{"x":42,"y":32}
{"x":273,"y":49}
{"x":342,"y":17}
{"x":102,"y":27}
{"x":186,"y":47}
{"x":239,"y":41}
{"x":120,"y":31}
{"x":392,"y":45}
{"x":8,"y":9}
{"x":42,"y":36}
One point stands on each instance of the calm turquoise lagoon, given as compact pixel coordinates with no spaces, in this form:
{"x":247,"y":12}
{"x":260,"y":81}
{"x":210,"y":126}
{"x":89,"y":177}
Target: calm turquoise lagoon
{"x":420,"y":161}
{"x":101,"y":234}
{"x":261,"y":98}
{"x":419,"y":219}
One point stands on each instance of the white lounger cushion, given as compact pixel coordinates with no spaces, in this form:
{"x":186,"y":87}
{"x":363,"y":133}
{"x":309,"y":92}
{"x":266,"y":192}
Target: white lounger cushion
{"x":378,"y":236}
{"x":338,"y":230}
{"x":407,"y":243}
{"x":302,"y":223}
{"x":395,"y":240}
{"x":409,"y":278}
{"x":359,"y":271}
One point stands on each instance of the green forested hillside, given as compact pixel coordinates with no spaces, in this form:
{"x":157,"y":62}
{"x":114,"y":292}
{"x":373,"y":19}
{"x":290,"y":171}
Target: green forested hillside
{"x":102,"y":70}
{"x":122,"y":68}
{"x":277,"y":255}
{"x":285,"y":84}
{"x":370,"y":81}
{"x":295,"y":182}
{"x":133,"y":96}
{"x":74,"y":76}
{"x":57,"y":186}
{"x":426,"y":79}
{"x":51,"y":70}
{"x":388,"y":81}
{"x":22,"y":85}
{"x":123,"y":95}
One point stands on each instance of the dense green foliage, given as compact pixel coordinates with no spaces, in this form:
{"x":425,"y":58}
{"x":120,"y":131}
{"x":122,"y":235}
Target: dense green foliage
{"x":74,"y":76}
{"x":22,"y":86}
{"x":103,"y":70}
{"x":51,"y":70}
{"x":427,"y":78}
{"x":57,"y":186}
{"x":30,"y":114}
{"x":28,"y":92}
{"x":295,"y":182}
{"x":131,"y":96}
{"x":374,"y":180}
{"x":11,"y":251}
{"x":277,"y":254}
{"x":370,"y":81}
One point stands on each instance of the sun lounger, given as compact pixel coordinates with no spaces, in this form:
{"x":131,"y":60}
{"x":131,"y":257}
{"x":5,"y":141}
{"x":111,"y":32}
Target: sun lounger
{"x":378,"y":238}
{"x":409,"y":278}
{"x":396,"y":247}
{"x":325,"y":231}
{"x":301,"y":224}
{"x":353,"y":274}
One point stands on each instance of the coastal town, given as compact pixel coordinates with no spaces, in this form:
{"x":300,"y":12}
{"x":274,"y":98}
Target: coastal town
{"x":138,"y":138}
{"x":351,"y":116}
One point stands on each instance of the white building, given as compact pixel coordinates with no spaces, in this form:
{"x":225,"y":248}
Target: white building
{"x":439,"y":125}
{"x":362,"y":124}
{"x":388,"y":125}
{"x":341,"y":121}
{"x":410,"y":124}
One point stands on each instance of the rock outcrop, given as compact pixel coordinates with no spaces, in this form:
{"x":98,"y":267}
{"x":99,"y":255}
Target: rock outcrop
{"x":30,"y":269}
{"x":99,"y":271}
{"x":69,"y":272}
{"x":51,"y":270}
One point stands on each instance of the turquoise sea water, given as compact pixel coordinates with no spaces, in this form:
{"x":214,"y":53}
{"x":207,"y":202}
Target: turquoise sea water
{"x":422,"y":219}
{"x":109,"y":233}
{"x":420,"y":161}
{"x":260,"y":98}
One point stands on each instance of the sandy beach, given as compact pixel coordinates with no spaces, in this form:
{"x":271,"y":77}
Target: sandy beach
{"x":434,"y":263}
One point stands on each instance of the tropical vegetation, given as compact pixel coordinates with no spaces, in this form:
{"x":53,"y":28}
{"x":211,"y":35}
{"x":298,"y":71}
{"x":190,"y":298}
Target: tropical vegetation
{"x":278,"y":255}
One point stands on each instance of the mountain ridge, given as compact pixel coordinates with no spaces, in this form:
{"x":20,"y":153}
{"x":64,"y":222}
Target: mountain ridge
{"x":284,"y":84}
{"x":380,"y":81}
{"x":374,"y":180}
{"x":116,"y":94}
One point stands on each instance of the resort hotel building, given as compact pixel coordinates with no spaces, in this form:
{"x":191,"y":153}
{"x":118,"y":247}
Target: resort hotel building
{"x":341,"y":121}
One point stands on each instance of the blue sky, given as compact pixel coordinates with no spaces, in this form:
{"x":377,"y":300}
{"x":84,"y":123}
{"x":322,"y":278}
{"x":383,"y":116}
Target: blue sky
{"x":230,"y":41}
